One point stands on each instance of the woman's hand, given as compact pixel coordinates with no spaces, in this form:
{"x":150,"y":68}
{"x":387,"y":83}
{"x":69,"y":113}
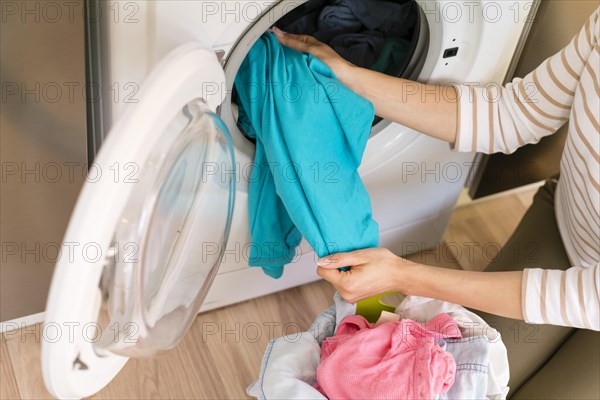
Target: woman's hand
{"x":308,"y":44}
{"x":376,"y":271}
{"x":372,"y":272}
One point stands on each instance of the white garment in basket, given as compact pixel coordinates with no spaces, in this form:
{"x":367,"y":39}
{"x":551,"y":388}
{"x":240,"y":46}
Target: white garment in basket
{"x":288,"y":369}
{"x":423,"y":309}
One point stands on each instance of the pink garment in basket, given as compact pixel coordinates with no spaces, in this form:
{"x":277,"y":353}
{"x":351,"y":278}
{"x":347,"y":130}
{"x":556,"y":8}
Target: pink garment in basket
{"x":395,"y":360}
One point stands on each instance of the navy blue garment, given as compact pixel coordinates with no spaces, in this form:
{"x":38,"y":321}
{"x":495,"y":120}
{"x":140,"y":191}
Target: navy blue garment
{"x":361,"y":49}
{"x":311,"y":132}
{"x":306,"y":23}
{"x":338,"y":17}
{"x":393,"y":57}
{"x":303,"y":19}
{"x":354,"y":29}
{"x":390,"y":18}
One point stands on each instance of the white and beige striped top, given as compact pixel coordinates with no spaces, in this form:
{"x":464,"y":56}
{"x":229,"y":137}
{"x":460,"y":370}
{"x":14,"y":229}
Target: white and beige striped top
{"x":563,"y":88}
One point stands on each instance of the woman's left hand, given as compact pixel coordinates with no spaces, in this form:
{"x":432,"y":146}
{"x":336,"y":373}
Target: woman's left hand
{"x":308,"y":44}
{"x":372,"y":272}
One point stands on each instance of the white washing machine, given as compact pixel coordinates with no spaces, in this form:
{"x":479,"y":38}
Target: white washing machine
{"x":163,"y":219}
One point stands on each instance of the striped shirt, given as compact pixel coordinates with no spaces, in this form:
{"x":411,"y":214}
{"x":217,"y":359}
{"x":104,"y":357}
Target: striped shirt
{"x":564,"y":88}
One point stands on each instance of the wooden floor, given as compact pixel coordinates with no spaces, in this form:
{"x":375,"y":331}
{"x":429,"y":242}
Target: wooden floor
{"x":221,"y":354}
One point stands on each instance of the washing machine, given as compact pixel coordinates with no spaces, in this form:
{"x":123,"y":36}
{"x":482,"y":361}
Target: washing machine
{"x":160,"y":230}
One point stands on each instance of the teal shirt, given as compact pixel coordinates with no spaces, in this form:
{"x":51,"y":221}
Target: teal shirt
{"x":311,"y":132}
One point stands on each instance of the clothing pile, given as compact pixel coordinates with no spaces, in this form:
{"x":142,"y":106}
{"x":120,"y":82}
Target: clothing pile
{"x":428,"y":349}
{"x":372,"y":34}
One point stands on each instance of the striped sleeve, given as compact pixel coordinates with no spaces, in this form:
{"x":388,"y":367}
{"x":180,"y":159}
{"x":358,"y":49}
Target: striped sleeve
{"x":495,"y":118}
{"x":568,"y":298}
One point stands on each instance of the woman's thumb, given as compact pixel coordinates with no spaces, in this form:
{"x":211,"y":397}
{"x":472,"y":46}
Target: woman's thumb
{"x":278,"y":32}
{"x":290,"y":40}
{"x":338,"y":260}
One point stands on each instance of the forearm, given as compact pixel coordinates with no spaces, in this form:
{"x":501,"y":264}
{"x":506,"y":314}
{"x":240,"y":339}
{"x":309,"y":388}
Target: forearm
{"x":493,"y":292}
{"x":430,"y":109}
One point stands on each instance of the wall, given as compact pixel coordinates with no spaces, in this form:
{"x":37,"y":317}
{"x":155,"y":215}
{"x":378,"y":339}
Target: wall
{"x":42,"y":144}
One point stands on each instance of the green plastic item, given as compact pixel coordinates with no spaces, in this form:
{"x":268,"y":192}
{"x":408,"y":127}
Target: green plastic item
{"x":372,"y":307}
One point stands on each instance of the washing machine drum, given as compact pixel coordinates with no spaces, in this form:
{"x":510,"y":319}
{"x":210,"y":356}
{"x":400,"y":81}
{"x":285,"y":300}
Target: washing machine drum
{"x":387,"y":36}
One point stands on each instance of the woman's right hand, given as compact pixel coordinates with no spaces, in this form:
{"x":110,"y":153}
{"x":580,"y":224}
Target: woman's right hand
{"x":308,"y":44}
{"x":372,"y":272}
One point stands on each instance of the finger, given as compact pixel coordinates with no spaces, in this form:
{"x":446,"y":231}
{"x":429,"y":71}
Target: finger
{"x":331,"y":275}
{"x":278,"y":32}
{"x":339,"y":260}
{"x":296,"y":42}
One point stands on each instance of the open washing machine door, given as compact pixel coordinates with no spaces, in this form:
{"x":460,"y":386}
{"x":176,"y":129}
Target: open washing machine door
{"x":148,"y":231}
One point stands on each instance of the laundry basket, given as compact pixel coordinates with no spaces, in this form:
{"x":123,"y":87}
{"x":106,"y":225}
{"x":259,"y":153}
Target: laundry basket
{"x":289,"y":365}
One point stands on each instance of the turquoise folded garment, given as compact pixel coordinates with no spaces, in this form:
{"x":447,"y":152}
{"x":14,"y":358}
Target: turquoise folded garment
{"x":311,"y":132}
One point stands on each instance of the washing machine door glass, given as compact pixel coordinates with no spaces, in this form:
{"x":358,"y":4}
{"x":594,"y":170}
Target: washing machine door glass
{"x":148,"y":232}
{"x":171,"y":235}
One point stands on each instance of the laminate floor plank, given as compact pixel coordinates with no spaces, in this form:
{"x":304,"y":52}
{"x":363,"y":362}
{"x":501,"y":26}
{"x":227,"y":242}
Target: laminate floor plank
{"x":8,"y":383}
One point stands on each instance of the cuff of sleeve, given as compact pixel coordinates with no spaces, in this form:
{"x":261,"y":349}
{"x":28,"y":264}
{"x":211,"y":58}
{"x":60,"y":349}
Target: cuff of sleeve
{"x":524,"y":294}
{"x":567,"y":298}
{"x":531,"y":295}
{"x":540,"y":296}
{"x":464,"y":120}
